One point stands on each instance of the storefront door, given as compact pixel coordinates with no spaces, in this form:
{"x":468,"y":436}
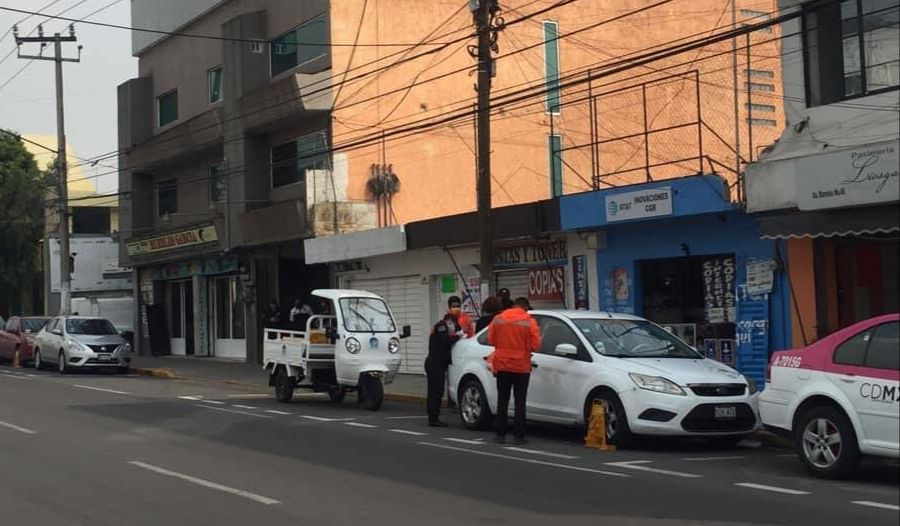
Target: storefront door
{"x":180,"y":316}
{"x":228,"y":318}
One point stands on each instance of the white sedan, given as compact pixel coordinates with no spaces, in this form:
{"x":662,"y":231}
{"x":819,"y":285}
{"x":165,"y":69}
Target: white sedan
{"x":650,"y":382}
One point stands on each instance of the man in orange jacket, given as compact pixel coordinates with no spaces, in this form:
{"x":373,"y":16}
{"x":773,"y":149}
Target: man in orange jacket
{"x":514,"y":335}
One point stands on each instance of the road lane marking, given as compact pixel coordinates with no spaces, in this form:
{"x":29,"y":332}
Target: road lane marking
{"x":407,"y":432}
{"x":879,"y":505}
{"x":277,"y":412}
{"x":538,"y":452}
{"x":465,"y":441}
{"x":239,"y":406}
{"x":205,"y":483}
{"x":360,"y":424}
{"x":637,"y":465}
{"x":417,"y":417}
{"x":526,"y":460}
{"x":257,"y":415}
{"x":20,"y":429}
{"x":102,"y":390}
{"x":214,"y":402}
{"x":16,"y":376}
{"x":706,"y":459}
{"x":325,"y":419}
{"x":191,"y":398}
{"x":776,"y":489}
{"x":259,"y":395}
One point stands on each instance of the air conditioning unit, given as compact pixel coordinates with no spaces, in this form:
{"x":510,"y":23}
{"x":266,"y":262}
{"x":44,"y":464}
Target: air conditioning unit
{"x":257,"y":47}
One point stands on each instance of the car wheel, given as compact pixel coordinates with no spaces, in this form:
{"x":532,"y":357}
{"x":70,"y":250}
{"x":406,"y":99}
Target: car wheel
{"x":38,"y":363}
{"x":617,"y":431}
{"x":474,"y":410}
{"x":337,"y":394}
{"x":284,"y":386}
{"x":726,"y":442}
{"x":826,"y":443}
{"x":61,"y":363}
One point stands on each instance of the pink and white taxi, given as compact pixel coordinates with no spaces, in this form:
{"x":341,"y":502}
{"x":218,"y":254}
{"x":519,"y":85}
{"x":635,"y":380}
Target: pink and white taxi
{"x":839,"y":397}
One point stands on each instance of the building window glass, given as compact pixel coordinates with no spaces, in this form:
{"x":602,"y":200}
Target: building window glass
{"x":759,"y":86}
{"x":551,"y":65}
{"x":556,"y":166}
{"x":167,"y":108}
{"x":759,"y":73}
{"x":763,"y":108}
{"x":175,"y":300}
{"x":229,"y":308}
{"x":218,"y":181}
{"x":302,"y":45}
{"x":291,"y":160}
{"x":214,"y":82}
{"x":762,"y":122}
{"x":852,"y":49}
{"x":167,"y":197}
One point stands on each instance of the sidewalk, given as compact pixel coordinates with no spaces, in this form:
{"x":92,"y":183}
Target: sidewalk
{"x":405,"y":387}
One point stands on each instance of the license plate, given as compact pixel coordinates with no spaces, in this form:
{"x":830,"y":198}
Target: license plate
{"x":104,"y":357}
{"x":726,"y":412}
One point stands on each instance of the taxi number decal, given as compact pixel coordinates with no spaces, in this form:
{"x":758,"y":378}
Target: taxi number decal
{"x":788,"y":361}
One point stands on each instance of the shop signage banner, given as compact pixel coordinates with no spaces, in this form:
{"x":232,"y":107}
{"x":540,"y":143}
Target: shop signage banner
{"x":186,"y":269}
{"x":547,"y":283}
{"x":851,"y":177}
{"x":639,"y":205}
{"x":620,"y":285}
{"x":760,"y":276}
{"x":718,"y":289}
{"x":186,"y":238}
{"x":532,"y":254}
{"x":580,"y":283}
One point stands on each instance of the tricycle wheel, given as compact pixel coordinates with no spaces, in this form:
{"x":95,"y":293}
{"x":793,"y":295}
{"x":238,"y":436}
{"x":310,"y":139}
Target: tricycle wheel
{"x":337,"y":394}
{"x":284,"y":386}
{"x":371,"y":392}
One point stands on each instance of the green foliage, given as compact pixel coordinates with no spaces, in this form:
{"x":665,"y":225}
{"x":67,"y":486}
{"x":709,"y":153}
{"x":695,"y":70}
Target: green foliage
{"x":22,"y":194}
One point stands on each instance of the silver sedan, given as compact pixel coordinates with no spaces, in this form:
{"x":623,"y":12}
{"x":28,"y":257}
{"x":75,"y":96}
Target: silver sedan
{"x":74,"y":342}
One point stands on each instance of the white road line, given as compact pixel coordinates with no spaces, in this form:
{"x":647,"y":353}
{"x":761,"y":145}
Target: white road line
{"x":636,"y":465}
{"x":407,"y":432}
{"x":192,"y":398}
{"x":465,"y":441}
{"x":239,"y":406}
{"x":214,"y":402}
{"x":526,"y":460}
{"x":418,"y":417}
{"x":360,"y":424}
{"x":776,"y":489}
{"x":16,"y":376}
{"x":879,"y":505}
{"x":205,"y":483}
{"x":706,"y":459}
{"x":277,"y":412}
{"x":538,"y":452}
{"x":260,"y":395}
{"x":257,"y":415}
{"x":102,"y":390}
{"x":20,"y":429}
{"x":325,"y":419}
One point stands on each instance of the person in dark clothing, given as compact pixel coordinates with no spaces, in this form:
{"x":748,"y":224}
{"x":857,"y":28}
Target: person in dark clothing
{"x":489,"y":309}
{"x":443,"y":335}
{"x":506,"y":301}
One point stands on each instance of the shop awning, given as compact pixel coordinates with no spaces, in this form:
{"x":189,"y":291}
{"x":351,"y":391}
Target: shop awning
{"x":834,"y":223}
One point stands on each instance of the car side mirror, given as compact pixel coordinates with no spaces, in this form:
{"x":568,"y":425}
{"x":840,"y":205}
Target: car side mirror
{"x":405,"y":332}
{"x":566,"y":349}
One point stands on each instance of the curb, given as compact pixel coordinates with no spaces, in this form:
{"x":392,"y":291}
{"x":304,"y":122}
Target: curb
{"x":156,"y":373}
{"x":767,"y":438}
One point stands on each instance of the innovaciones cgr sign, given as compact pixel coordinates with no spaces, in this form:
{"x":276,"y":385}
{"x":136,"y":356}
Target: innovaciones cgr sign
{"x":642,"y":204}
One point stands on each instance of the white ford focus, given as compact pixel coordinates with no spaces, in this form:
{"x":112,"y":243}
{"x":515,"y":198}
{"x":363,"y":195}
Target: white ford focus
{"x":650,"y":382}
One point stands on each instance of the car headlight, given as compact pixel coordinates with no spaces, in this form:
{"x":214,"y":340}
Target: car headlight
{"x":76,"y":346}
{"x":126,"y":348}
{"x":393,"y":345}
{"x":751,"y":385}
{"x":352,"y":345}
{"x":657,"y":384}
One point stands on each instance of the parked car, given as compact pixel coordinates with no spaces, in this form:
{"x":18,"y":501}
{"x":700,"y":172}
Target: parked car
{"x":649,"y":381}
{"x":838,"y":398}
{"x":72,"y":342}
{"x":18,"y":336}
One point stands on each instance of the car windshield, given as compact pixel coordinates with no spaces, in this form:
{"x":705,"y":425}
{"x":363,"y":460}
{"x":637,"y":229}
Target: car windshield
{"x":92,"y":327}
{"x":366,"y":315}
{"x":633,"y":339}
{"x":33,"y":324}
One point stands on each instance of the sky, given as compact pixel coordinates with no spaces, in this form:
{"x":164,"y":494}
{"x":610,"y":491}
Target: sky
{"x":28,"y":103}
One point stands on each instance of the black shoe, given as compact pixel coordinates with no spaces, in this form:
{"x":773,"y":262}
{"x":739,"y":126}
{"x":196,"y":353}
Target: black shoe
{"x":520,"y":441}
{"x":500,"y":439}
{"x":437,"y":423}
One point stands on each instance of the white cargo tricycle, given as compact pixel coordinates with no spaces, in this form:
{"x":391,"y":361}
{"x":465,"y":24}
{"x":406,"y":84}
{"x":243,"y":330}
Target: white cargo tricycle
{"x":355,"y":346}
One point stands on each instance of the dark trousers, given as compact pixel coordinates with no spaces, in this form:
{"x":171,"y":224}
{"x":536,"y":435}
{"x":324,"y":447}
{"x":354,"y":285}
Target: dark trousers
{"x":517,"y":383}
{"x":437,"y":377}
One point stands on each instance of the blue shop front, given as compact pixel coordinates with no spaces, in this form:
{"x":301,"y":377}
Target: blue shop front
{"x":681,"y":254}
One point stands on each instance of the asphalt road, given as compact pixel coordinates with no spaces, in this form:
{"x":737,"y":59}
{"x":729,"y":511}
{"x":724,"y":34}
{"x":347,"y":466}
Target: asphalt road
{"x":104,"y":450}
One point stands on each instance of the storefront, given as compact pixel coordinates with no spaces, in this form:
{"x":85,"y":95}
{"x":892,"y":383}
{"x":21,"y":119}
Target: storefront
{"x":679,"y":253}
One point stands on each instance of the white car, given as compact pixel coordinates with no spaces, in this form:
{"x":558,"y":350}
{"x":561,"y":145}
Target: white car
{"x":74,"y":342}
{"x":650,"y":382}
{"x":839,"y":397}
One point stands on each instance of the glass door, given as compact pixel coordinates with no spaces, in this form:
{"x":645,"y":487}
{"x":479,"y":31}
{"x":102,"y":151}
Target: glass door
{"x":228,"y":315}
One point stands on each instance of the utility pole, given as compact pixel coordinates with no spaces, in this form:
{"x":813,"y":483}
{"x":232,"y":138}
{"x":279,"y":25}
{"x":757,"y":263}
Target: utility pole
{"x":65,"y":270}
{"x":487,"y":25}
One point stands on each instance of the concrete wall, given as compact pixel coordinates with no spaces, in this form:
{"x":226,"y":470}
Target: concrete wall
{"x":162,"y":15}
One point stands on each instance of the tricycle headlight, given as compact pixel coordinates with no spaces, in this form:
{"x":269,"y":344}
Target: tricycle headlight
{"x":751,"y":385}
{"x":393,"y":345}
{"x":657,"y":384}
{"x":352,"y":345}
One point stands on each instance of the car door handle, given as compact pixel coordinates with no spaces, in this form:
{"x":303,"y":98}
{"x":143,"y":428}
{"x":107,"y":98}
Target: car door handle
{"x":849,"y":380}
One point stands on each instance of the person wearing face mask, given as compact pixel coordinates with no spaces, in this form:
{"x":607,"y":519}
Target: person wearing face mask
{"x":444,"y":334}
{"x":454,"y":308}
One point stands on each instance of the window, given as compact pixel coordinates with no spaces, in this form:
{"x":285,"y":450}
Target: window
{"x":214,"y":84}
{"x":755,"y":108}
{"x":759,"y":86}
{"x":852,"y":49}
{"x":167,"y":108}
{"x":483,"y":338}
{"x":759,"y":73}
{"x":218,"y":182}
{"x":367,"y":315}
{"x":301,"y":46}
{"x":90,"y":220}
{"x":555,"y":332}
{"x":175,"y":304}
{"x":853,"y":351}
{"x":551,"y":65}
{"x":752,"y":16}
{"x":556,"y":166}
{"x":884,"y":347}
{"x":90,"y":327}
{"x":291,"y":160}
{"x":762,"y":122}
{"x":167,"y":197}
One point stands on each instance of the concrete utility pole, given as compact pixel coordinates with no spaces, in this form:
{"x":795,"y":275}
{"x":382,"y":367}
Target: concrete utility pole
{"x":65,"y":271}
{"x":485,"y":12}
